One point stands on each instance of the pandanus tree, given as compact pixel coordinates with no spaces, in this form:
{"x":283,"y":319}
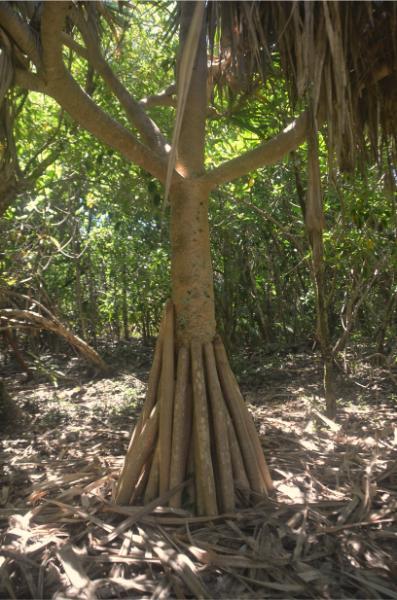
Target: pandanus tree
{"x":339,"y":60}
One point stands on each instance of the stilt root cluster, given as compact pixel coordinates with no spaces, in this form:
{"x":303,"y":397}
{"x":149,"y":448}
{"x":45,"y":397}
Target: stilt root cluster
{"x":194,"y":427}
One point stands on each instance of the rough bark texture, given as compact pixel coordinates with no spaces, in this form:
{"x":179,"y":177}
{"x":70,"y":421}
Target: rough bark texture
{"x":192,"y":277}
{"x":194,"y":424}
{"x":197,"y":430}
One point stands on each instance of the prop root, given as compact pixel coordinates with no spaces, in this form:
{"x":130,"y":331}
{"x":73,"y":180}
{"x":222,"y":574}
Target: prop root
{"x":194,"y":423}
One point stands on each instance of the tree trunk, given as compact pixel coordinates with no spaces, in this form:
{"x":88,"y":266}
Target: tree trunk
{"x":191,"y":267}
{"x":125,"y":301}
{"x":316,"y":241}
{"x":78,"y":284}
{"x":116,"y":326}
{"x":10,"y":340}
{"x":390,"y":298}
{"x":81,"y":316}
{"x":258,"y":310}
{"x":228,"y":320}
{"x":93,"y":304}
{"x":314,"y":220}
{"x":195,"y":441}
{"x":193,"y":405}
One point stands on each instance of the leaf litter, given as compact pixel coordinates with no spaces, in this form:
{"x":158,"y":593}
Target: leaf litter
{"x":328,"y":531}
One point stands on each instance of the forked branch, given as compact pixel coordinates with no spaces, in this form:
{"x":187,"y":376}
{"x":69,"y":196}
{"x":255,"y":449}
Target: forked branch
{"x":53,"y":79}
{"x":150,"y":132}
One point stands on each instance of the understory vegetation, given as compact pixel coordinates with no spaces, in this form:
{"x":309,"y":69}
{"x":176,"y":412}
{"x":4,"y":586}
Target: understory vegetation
{"x":88,"y":240}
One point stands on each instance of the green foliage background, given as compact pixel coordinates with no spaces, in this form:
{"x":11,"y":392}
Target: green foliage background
{"x":94,"y":221}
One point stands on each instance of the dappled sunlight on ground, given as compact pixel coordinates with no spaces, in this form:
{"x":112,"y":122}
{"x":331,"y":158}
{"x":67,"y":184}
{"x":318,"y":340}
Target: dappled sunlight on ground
{"x":329,"y":530}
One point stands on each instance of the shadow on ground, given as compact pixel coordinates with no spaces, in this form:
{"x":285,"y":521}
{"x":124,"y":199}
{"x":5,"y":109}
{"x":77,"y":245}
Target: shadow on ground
{"x":329,"y":531}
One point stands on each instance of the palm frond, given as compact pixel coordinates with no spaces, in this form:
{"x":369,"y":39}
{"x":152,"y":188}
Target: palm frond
{"x":343,"y":54}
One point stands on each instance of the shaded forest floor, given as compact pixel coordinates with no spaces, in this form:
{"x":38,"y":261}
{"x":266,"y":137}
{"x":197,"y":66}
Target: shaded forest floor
{"x":329,"y":531}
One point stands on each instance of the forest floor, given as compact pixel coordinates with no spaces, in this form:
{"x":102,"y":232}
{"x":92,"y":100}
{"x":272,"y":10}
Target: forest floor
{"x":329,"y":530}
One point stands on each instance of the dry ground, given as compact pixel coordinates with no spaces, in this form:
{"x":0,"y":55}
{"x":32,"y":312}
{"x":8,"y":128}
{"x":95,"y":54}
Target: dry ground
{"x":329,"y":531}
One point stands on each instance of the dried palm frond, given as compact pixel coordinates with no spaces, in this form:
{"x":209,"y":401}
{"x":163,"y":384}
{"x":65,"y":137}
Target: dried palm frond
{"x":343,"y":55}
{"x":353,"y":48}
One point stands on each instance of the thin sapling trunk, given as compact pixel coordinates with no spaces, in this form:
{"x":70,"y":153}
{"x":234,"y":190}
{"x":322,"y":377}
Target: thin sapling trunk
{"x":314,"y":219}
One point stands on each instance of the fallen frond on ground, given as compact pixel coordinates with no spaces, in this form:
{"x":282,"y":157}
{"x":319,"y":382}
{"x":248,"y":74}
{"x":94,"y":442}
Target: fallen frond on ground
{"x":328,"y":531}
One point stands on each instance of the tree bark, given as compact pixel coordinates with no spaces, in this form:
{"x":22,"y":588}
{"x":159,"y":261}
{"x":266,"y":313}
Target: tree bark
{"x":81,"y":316}
{"x":12,"y":342}
{"x":92,"y":293}
{"x":323,"y":336}
{"x":257,"y":305}
{"x":228,"y":318}
{"x":194,"y":423}
{"x":191,"y":267}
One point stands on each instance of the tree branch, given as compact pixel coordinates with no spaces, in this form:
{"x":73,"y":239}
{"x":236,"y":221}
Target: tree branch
{"x":20,"y":33}
{"x":13,"y":318}
{"x":29,"y":81}
{"x":274,"y":150}
{"x":75,"y":46}
{"x":165,"y":98}
{"x":133,"y":109}
{"x":61,"y":86}
{"x":268,"y":153}
{"x":49,"y":141}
